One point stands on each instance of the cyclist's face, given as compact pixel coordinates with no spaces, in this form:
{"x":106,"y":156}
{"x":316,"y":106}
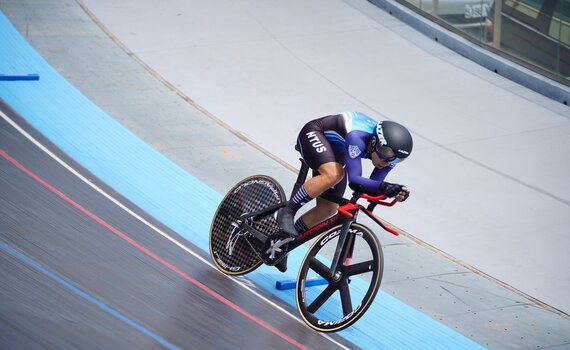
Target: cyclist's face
{"x":377,"y":161}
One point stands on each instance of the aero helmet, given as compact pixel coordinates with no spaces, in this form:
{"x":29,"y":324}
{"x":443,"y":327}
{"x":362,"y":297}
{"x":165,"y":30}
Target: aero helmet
{"x":392,"y":142}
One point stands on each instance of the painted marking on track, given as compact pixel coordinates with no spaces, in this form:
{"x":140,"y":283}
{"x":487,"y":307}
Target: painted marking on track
{"x":22,"y":257}
{"x":151,"y":226}
{"x":150,"y":254}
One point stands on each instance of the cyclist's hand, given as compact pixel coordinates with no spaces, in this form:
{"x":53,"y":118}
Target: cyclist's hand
{"x":389,"y":189}
{"x":403,"y":194}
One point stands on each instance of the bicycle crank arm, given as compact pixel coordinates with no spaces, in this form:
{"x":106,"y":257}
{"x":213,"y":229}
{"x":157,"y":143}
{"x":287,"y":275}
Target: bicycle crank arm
{"x":275,"y":247}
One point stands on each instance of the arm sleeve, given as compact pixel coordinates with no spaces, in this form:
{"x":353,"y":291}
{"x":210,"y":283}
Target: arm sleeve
{"x":355,"y":152}
{"x":380,"y":174}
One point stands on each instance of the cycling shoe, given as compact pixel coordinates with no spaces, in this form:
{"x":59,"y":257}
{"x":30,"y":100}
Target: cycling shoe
{"x":282,"y":265}
{"x":285,"y":217}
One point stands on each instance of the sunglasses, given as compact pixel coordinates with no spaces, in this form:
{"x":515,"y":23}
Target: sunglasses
{"x":387,"y":155}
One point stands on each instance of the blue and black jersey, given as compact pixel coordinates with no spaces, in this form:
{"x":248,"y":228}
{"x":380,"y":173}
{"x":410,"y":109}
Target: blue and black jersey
{"x":342,"y":138}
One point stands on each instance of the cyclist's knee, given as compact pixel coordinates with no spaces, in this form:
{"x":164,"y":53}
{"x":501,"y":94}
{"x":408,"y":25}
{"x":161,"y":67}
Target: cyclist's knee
{"x":332,"y":173}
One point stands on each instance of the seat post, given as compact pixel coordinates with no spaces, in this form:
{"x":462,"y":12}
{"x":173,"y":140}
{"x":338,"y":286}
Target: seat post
{"x":301,"y":177}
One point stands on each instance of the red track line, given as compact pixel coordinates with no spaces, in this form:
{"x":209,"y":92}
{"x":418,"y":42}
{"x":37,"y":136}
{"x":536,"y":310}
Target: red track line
{"x":150,"y":253}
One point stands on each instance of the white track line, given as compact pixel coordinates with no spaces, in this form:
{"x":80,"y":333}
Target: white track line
{"x":154,"y":228}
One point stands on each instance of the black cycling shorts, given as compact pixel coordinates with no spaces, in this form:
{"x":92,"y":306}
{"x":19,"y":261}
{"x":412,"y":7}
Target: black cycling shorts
{"x":316,"y":150}
{"x":314,"y":147}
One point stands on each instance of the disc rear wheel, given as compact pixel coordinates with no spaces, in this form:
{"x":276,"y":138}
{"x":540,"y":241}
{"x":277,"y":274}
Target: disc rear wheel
{"x":233,"y":250}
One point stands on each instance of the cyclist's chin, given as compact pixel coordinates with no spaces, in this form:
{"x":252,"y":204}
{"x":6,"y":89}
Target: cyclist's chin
{"x":380,"y":164}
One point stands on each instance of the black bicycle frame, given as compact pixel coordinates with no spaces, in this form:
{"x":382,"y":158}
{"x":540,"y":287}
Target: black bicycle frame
{"x":347,"y":214}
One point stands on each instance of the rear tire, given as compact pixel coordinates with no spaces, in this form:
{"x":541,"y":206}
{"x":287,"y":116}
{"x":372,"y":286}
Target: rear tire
{"x":234,"y":251}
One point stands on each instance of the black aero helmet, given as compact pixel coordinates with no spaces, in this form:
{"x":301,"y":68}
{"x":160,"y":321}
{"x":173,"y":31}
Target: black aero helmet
{"x":392,"y":142}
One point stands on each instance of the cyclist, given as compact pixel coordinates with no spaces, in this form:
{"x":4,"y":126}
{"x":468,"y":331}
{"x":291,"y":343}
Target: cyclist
{"x":333,"y":147}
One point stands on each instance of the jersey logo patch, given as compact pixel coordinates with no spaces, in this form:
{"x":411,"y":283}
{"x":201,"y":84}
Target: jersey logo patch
{"x":354,"y":151}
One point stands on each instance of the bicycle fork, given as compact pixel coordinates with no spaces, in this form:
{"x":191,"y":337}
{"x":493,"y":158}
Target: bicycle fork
{"x":343,"y":249}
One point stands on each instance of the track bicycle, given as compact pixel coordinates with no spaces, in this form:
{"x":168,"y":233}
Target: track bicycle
{"x":244,"y":235}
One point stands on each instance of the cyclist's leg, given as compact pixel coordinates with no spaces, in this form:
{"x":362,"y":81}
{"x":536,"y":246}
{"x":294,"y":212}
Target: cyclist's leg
{"x":321,"y":182}
{"x":329,"y":175}
{"x":324,"y":208}
{"x":320,"y":156}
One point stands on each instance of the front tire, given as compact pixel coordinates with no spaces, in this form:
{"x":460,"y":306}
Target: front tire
{"x":350,"y":290}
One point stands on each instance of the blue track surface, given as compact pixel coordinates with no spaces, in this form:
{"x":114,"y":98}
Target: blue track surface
{"x":165,"y":191}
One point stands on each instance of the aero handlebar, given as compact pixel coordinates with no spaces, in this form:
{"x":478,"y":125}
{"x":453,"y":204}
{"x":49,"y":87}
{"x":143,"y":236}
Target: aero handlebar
{"x":373,"y":200}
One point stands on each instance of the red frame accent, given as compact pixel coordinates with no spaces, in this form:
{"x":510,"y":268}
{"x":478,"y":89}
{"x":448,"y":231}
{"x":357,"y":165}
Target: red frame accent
{"x":348,"y":209}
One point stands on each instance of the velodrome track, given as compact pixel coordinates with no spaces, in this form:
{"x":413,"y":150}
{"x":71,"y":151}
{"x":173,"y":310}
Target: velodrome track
{"x":551,"y":334}
{"x":479,"y":185}
{"x":92,"y":275}
{"x":50,"y":204}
